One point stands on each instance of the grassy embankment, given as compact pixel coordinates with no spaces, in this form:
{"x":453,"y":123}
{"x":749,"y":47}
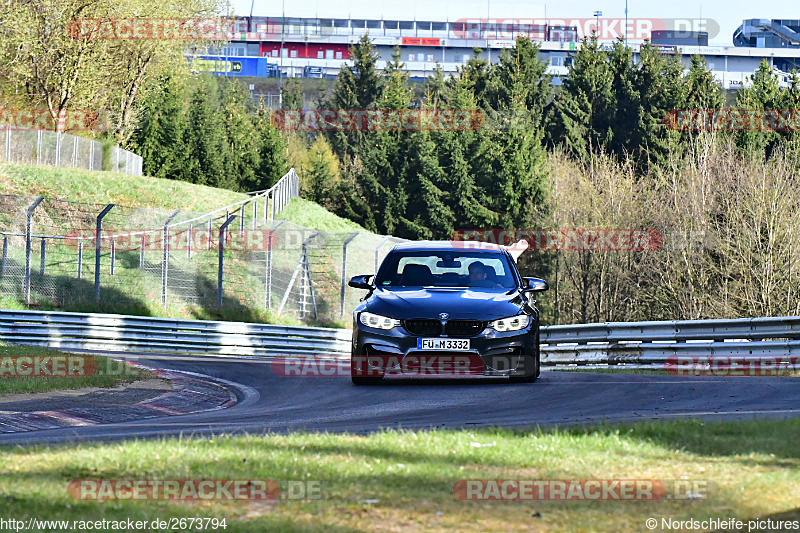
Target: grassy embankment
{"x":403,"y":480}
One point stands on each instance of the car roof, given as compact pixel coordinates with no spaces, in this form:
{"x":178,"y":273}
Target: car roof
{"x":448,"y":246}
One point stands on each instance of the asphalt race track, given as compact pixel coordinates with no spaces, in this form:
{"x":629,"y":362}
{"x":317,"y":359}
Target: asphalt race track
{"x":272,"y":403}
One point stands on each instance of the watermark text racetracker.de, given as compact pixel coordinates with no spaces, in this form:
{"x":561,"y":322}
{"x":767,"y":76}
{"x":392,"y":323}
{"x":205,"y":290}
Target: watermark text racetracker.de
{"x":564,"y":490}
{"x":63,"y":366}
{"x":564,"y":239}
{"x":735,"y":365}
{"x":783,"y":120}
{"x":377,"y":119}
{"x":193,"y":490}
{"x":606,"y":28}
{"x":44,"y":119}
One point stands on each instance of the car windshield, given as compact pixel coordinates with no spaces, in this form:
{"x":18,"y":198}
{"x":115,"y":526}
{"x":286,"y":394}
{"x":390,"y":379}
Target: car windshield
{"x":446,"y":269}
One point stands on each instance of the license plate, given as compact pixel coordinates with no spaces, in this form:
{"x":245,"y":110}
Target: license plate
{"x":448,"y":345}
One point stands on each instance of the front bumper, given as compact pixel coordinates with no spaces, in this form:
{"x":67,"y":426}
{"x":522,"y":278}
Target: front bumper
{"x":377,"y":352}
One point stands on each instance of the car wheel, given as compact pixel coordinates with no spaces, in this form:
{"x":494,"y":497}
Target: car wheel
{"x":531,"y":366}
{"x":360,"y":380}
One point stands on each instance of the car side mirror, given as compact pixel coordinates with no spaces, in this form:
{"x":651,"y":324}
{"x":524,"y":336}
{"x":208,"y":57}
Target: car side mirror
{"x":534,"y":285}
{"x":361,"y":282}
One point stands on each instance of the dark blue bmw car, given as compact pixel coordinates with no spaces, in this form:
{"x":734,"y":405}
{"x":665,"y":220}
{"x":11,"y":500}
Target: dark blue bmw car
{"x":447,"y":309}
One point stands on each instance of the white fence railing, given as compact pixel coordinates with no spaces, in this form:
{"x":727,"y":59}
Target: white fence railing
{"x":64,"y":150}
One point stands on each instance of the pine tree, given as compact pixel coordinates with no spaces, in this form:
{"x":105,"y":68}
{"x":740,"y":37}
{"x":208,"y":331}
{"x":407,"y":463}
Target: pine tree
{"x":159,"y":135}
{"x":584,"y":109}
{"x":763,"y":94}
{"x":292,"y":94}
{"x":322,"y":174}
{"x":659,"y":86}
{"x":241,"y":154}
{"x":204,"y":135}
{"x":700,"y":89}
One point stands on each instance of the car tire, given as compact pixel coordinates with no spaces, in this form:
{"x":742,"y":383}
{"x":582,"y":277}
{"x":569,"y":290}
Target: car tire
{"x":531,"y":362}
{"x":361,"y":380}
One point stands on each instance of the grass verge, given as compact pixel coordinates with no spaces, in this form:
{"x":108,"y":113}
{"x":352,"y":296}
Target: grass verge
{"x":403,"y":480}
{"x":105,"y":372}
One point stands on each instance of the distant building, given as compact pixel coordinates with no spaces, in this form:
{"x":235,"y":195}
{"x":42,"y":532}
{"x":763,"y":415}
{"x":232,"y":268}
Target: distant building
{"x":682,"y":38}
{"x":320,"y":47}
{"x":763,"y":33}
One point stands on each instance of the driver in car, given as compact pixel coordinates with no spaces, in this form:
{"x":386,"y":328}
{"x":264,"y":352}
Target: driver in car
{"x":478,"y":276}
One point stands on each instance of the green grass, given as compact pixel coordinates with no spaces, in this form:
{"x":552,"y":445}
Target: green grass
{"x":403,"y":480}
{"x":311,"y":215}
{"x":78,"y":185}
{"x":106,"y":373}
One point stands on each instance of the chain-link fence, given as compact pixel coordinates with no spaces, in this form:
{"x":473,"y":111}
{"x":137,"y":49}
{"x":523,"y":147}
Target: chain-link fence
{"x":64,"y":150}
{"x":80,"y":256}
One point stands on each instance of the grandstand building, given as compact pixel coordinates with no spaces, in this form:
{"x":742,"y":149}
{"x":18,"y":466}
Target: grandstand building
{"x":319,"y":47}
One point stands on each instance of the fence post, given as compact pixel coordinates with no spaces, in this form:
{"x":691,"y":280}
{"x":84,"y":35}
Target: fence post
{"x":165,"y":259}
{"x":141,"y":253}
{"x":221,"y":240}
{"x":28,"y":221}
{"x":97,"y":241}
{"x":210,"y":232}
{"x":41,"y":257}
{"x":344,"y":270}
{"x":189,"y":242}
{"x":91,"y":155}
{"x":5,"y":256}
{"x":377,"y":249}
{"x":8,"y":144}
{"x":74,"y":151}
{"x":58,"y":148}
{"x":113,"y":253}
{"x":241,"y":218}
{"x":268,"y":280}
{"x":255,"y":211}
{"x":80,"y":258}
{"x":38,"y":147}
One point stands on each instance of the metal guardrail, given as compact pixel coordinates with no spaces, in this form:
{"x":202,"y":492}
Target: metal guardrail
{"x":648,"y":343}
{"x":83,"y":331}
{"x":638,"y":343}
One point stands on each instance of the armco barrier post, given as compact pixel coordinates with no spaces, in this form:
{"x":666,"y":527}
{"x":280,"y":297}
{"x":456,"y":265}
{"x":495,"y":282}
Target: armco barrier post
{"x":165,"y":258}
{"x":29,"y":219}
{"x":344,"y":270}
{"x":268,"y":274}
{"x":222,"y":229}
{"x":97,"y":241}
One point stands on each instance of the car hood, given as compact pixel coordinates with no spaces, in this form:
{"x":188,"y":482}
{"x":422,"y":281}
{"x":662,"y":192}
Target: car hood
{"x":473,"y":303}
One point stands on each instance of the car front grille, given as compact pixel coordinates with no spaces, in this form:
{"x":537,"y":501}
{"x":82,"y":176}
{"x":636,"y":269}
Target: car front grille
{"x":452,"y":328}
{"x":464,"y":328}
{"x":424,"y":327}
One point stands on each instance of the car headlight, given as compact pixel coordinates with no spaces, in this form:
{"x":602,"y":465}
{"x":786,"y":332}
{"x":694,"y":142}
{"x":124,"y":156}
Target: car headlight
{"x":377,"y":321}
{"x":512,"y":323}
